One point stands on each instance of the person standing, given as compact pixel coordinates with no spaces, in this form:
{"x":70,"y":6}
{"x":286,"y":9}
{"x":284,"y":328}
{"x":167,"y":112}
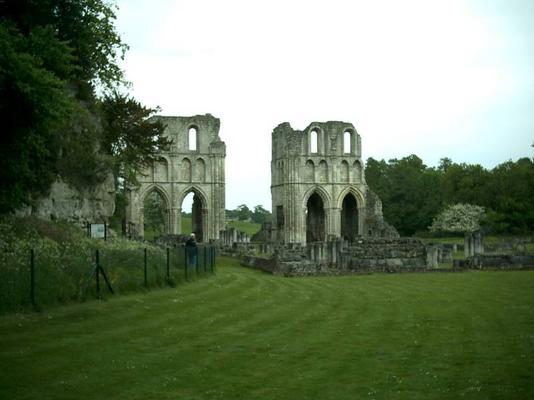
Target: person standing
{"x":191,"y":250}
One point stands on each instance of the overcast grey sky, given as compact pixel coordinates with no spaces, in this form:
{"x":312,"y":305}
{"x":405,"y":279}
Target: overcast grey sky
{"x":432,"y":78}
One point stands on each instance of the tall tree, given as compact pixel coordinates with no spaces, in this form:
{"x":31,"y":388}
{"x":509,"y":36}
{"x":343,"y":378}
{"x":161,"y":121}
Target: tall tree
{"x":408,"y":190}
{"x":130,"y":136}
{"x":260,"y":215}
{"x":53,"y":53}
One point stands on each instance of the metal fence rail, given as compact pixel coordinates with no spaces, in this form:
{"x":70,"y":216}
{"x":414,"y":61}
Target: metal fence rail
{"x":76,"y":275}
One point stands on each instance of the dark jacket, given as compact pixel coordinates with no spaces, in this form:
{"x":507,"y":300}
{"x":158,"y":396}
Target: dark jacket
{"x":191,"y":243}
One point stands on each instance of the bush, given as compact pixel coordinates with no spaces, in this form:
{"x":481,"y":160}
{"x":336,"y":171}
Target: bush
{"x":65,"y":259}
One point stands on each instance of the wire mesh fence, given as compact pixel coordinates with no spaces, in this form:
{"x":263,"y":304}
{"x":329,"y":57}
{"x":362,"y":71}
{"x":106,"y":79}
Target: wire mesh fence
{"x":44,"y":278}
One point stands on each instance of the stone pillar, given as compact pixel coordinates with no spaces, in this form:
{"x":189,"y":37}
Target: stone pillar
{"x":335,"y":222}
{"x":174,"y":221}
{"x":432,"y":256}
{"x":478,"y":243}
{"x":467,"y":245}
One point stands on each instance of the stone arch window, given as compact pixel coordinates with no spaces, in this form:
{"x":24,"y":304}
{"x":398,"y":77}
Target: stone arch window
{"x":155,"y":211}
{"x":357,"y":171}
{"x":185,"y":170}
{"x":349,"y":218}
{"x":309,"y":171}
{"x":161,"y":170}
{"x":315,"y":219}
{"x":200,"y":170}
{"x":193,"y":204}
{"x":314,"y":141}
{"x":344,"y":171}
{"x":322,"y":174}
{"x":193,"y":138}
{"x":347,"y":142}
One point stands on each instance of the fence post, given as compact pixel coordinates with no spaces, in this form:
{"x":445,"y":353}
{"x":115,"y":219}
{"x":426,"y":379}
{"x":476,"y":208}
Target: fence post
{"x":145,"y":263}
{"x":213,"y":259}
{"x":32,"y":278}
{"x":97,"y":262}
{"x":168,"y":261}
{"x":185,"y":263}
{"x":205,"y":257}
{"x":196,"y":262}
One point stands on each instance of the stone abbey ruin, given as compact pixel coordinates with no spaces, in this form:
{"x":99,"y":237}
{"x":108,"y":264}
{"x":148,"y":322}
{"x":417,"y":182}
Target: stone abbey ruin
{"x":325,"y":217}
{"x":318,"y":186}
{"x":193,"y":164}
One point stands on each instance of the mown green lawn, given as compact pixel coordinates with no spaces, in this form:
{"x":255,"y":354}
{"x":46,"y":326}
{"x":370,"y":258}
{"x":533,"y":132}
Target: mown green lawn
{"x":242,"y":334}
{"x":250,"y":228}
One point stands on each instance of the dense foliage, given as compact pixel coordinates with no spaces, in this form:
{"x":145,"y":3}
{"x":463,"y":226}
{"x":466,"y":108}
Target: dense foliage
{"x":130,"y":136}
{"x":242,"y":213}
{"x":413,"y":193}
{"x":55,"y":56}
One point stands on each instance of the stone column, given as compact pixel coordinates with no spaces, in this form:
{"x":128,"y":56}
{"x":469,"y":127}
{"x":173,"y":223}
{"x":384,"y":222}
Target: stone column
{"x":432,"y":256}
{"x":335,"y":222}
{"x":478,"y":243}
{"x":141,"y":227}
{"x":362,"y":229}
{"x":174,"y":221}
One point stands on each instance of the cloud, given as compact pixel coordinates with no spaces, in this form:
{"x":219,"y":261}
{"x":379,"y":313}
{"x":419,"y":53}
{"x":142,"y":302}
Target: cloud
{"x":414,"y":76}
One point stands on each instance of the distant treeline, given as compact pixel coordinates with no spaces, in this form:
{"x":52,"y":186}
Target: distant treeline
{"x":242,"y":213}
{"x":413,"y":194}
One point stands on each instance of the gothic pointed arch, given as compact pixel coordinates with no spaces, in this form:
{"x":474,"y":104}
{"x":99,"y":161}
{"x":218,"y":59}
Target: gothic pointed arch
{"x":344,"y":171}
{"x":325,"y":196}
{"x":315,"y":219}
{"x":357,"y":172}
{"x":185,"y":170}
{"x":322,"y":172}
{"x":161,"y":191}
{"x":309,"y":171}
{"x":199,"y":211}
{"x":194,"y":162}
{"x":200,"y":170}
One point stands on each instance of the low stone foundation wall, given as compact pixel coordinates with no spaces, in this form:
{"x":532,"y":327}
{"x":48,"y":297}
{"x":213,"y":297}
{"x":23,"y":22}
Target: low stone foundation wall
{"x":500,"y":261}
{"x":338,"y":257}
{"x":386,"y":255}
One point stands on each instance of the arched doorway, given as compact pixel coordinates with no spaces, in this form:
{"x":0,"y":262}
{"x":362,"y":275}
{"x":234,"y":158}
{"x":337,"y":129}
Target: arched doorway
{"x":315,"y":219}
{"x":154,"y":215}
{"x":192,"y":218}
{"x":349,"y":218}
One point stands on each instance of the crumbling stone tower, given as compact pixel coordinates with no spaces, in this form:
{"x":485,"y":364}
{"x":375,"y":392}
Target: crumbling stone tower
{"x":318,"y":186}
{"x":194,"y":163}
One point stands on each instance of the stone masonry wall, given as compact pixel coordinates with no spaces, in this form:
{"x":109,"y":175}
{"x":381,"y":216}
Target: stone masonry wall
{"x":337,"y":257}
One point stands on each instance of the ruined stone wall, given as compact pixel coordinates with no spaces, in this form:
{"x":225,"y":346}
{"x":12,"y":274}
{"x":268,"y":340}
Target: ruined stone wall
{"x":183,"y":170}
{"x":324,"y":161}
{"x":338,"y":257}
{"x":371,"y":254}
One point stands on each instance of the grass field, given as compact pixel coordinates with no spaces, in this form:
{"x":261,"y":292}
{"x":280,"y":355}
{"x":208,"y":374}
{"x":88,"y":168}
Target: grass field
{"x":242,"y":334}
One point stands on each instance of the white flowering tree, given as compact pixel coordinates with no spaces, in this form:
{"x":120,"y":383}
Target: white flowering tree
{"x":464,"y":218}
{"x":458,"y":218}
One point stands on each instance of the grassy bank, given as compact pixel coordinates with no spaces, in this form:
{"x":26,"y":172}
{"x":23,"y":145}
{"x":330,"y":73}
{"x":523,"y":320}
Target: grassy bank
{"x":64,"y":260}
{"x":246,"y":335}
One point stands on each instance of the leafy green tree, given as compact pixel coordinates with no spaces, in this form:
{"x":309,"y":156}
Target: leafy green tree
{"x":509,"y":197}
{"x":260,"y":215}
{"x":243,"y":212}
{"x":53,"y":54}
{"x":408,"y":190}
{"x":130,"y":136}
{"x":154,"y":215}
